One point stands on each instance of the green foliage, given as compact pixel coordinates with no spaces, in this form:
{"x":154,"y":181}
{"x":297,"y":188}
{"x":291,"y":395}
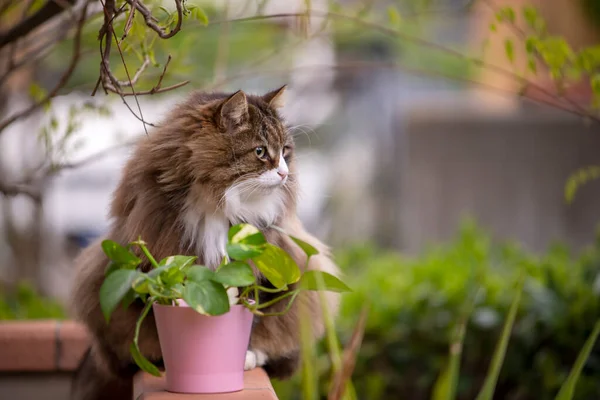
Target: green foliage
{"x":489,"y":385}
{"x":565,"y":65}
{"x":206,"y":291}
{"x":24,"y":303}
{"x":509,"y":48}
{"x":579,"y":178}
{"x":568,"y":389}
{"x":418,"y":307}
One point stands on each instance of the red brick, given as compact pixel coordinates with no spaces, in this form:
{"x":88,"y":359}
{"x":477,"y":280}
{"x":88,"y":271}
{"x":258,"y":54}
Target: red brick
{"x":74,"y":342}
{"x":28,"y":346}
{"x":41,"y":345}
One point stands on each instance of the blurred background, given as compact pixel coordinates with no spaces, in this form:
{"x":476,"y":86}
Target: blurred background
{"x":445,"y":147}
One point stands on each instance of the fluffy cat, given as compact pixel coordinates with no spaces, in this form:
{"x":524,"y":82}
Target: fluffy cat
{"x":218,"y":159}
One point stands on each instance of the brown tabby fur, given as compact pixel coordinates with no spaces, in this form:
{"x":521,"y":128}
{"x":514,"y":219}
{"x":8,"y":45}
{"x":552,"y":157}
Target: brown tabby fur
{"x":202,"y":147}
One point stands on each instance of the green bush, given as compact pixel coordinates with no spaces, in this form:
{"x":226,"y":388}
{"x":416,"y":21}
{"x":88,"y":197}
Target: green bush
{"x":416,"y":302}
{"x":25,"y":303}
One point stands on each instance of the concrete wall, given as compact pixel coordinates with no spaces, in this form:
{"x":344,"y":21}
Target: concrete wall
{"x":508,"y":171}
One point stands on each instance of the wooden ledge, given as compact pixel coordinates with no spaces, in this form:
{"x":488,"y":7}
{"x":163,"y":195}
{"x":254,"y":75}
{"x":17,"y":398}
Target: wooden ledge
{"x":257,"y":386}
{"x":45,"y":345}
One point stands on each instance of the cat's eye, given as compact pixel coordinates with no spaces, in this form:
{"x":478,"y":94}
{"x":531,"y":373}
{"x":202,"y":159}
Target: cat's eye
{"x":286,"y":151}
{"x":261,"y":152}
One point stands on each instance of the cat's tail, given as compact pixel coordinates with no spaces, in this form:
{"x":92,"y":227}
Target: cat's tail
{"x":93,"y":381}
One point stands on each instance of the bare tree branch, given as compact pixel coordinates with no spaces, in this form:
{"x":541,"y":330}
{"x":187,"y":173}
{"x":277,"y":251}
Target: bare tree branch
{"x":151,"y":20}
{"x":129,"y":22}
{"x":63,"y":80}
{"x":32,"y":186}
{"x":107,"y":79}
{"x":15,"y":189}
{"x":371,"y":65}
{"x":48,"y":10}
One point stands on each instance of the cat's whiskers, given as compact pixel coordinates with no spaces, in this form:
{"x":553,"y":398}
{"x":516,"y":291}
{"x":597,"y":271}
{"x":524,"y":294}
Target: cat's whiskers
{"x":302,"y":128}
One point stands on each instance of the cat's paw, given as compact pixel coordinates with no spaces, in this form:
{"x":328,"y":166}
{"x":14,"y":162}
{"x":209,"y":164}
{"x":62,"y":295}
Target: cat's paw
{"x":254,"y":358}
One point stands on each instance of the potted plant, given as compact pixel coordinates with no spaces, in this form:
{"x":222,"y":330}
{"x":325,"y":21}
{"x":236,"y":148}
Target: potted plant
{"x":204,"y":317}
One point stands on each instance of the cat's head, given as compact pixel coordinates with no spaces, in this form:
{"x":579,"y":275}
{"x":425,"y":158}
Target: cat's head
{"x":239,"y":153}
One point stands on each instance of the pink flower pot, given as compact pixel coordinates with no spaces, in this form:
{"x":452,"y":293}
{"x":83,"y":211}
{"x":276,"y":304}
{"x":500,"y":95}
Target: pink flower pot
{"x":203,"y":354}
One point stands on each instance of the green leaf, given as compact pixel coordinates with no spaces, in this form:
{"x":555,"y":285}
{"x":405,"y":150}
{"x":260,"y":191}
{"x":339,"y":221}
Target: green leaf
{"x":129,"y":298}
{"x":506,"y":14}
{"x":489,"y":385}
{"x":240,"y":231}
{"x":141,"y":284}
{"x":181,"y":262}
{"x":531,"y":44}
{"x":509,"y":48}
{"x":111,"y":267}
{"x":277,"y":266}
{"x":36,"y":92}
{"x":134,"y":349}
{"x":242,"y":252}
{"x":307,"y":248}
{"x":531,"y":65}
{"x":114,"y":288}
{"x":533,"y":19}
{"x":206,"y":297}
{"x":172,"y":276}
{"x":200,"y":15}
{"x":199,"y":273}
{"x":579,"y":178}
{"x":568,"y":388}
{"x":493,"y":27}
{"x":152,"y":58}
{"x":154,"y":273}
{"x":394,"y":16}
{"x":143,"y":362}
{"x":318,"y":280}
{"x":235,"y":273}
{"x":168,"y":14}
{"x":246,"y":234}
{"x":120,"y":255}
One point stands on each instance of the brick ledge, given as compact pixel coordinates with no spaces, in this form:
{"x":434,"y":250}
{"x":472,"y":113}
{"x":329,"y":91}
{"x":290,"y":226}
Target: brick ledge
{"x":41,"y":345}
{"x":257,"y":386}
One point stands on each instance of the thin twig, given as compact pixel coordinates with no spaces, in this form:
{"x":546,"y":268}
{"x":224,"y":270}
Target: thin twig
{"x":129,"y":22}
{"x":131,"y":83}
{"x":63,"y":80}
{"x":47,"y":12}
{"x":366,"y":65}
{"x":30,"y":187}
{"x":137,"y":75}
{"x":151,"y":20}
{"x":417,"y":40}
{"x":160,"y":79}
{"x":152,"y":91}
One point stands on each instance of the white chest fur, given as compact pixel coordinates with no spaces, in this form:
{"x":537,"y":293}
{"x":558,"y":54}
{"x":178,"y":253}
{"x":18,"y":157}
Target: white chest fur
{"x":206,"y":232}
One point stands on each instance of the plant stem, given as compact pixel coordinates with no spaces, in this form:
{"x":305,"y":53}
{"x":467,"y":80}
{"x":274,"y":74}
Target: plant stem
{"x":256,"y":301}
{"x":287,"y":308}
{"x":143,"y":315}
{"x":268,"y":290}
{"x":148,"y":255}
{"x":275,"y":300}
{"x":246,"y":291}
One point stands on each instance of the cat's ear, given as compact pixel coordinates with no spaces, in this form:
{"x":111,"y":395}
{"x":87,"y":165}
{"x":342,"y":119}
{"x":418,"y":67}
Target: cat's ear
{"x":275,"y":98}
{"x":234,"y":110}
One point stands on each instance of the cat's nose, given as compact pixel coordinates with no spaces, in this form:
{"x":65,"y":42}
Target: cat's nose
{"x":282,"y":174}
